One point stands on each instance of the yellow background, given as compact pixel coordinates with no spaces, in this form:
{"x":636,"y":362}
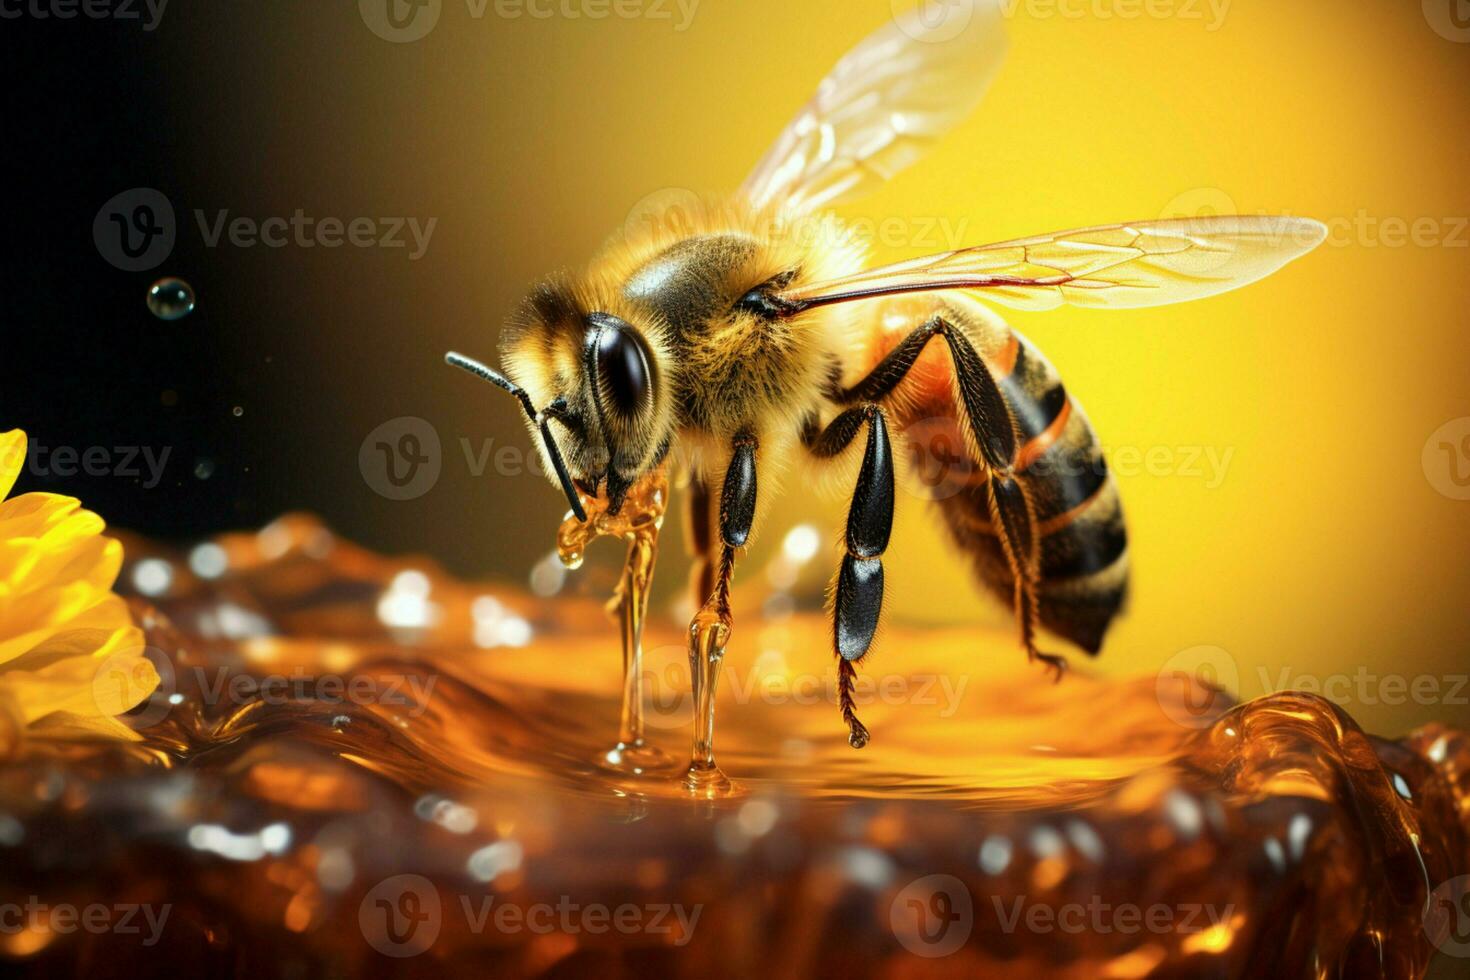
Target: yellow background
{"x":1324,"y":550}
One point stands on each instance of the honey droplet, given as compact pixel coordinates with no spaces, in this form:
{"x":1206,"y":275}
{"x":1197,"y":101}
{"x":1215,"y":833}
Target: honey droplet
{"x":171,"y":299}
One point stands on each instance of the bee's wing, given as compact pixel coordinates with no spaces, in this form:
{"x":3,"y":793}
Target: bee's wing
{"x":878,"y":110}
{"x":1148,"y":263}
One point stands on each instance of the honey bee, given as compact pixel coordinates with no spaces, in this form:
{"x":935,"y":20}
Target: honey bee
{"x":754,"y":335}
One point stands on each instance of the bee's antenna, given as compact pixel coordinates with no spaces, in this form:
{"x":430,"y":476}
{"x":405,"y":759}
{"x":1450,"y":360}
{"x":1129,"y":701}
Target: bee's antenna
{"x":493,"y":376}
{"x":542,"y":420}
{"x":557,"y":410}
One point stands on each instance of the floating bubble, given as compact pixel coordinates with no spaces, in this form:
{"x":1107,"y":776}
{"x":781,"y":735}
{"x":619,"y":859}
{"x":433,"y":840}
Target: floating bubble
{"x":171,"y":299}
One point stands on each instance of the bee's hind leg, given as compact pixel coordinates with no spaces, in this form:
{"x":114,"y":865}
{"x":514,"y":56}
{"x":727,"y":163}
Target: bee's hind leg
{"x":1011,"y":512}
{"x":859,"y":594}
{"x":998,"y":439}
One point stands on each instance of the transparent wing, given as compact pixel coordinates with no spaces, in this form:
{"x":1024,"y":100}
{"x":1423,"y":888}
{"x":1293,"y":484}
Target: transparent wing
{"x":883,"y":104}
{"x":1147,"y":263}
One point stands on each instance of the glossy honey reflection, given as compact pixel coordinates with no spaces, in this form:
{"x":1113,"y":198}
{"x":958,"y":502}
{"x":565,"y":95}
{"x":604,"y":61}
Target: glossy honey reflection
{"x":337,"y":731}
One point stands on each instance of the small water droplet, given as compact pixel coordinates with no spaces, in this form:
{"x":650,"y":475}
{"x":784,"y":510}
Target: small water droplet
{"x":171,"y":299}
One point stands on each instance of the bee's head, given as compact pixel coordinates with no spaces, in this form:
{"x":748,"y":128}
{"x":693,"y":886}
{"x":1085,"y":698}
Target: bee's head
{"x":595,"y":387}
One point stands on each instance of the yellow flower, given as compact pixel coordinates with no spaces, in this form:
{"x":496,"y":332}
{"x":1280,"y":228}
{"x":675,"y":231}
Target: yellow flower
{"x":71,"y":658}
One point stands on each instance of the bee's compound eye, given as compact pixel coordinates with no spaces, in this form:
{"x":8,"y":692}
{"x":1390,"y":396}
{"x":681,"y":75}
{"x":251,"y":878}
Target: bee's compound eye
{"x":622,"y":364}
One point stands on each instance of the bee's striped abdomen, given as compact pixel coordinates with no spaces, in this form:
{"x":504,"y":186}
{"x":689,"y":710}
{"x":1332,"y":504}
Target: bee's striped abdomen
{"x":1084,"y":543}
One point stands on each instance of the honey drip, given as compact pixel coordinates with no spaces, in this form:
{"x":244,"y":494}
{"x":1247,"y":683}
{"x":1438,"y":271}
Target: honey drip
{"x":708,"y":635}
{"x":638,"y":522}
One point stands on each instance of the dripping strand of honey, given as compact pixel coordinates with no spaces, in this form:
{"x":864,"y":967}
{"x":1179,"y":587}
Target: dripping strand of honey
{"x":638,"y":523}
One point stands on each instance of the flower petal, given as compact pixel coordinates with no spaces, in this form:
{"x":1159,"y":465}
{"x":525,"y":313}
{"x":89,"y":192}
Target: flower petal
{"x":12,"y":459}
{"x":37,"y":617}
{"x":109,"y":681}
{"x":71,"y":658}
{"x":62,"y":725}
{"x":72,"y":551}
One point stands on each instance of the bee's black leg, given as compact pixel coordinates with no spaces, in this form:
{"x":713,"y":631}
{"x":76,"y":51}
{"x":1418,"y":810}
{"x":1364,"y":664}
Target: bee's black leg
{"x":709,"y":632}
{"x":737,"y":501}
{"x":998,"y":439}
{"x":859,"y":594}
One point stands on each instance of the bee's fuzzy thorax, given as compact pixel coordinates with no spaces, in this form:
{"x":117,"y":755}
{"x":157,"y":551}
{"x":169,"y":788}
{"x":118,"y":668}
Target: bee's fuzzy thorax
{"x":720,"y":371}
{"x":737,"y":371}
